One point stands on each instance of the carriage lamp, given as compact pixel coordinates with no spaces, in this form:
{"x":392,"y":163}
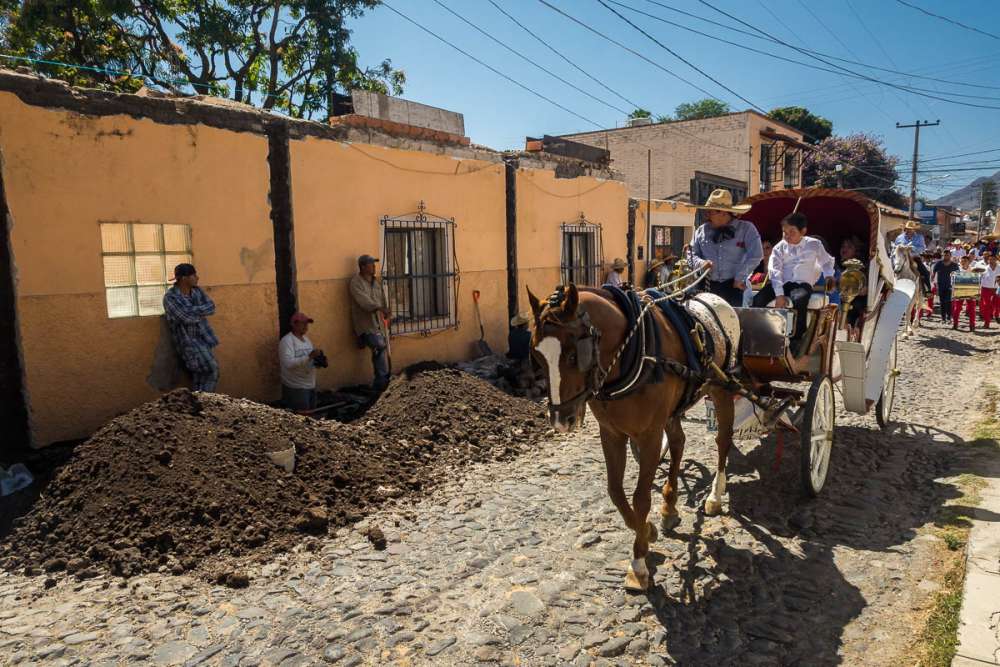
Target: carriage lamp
{"x":852,"y":281}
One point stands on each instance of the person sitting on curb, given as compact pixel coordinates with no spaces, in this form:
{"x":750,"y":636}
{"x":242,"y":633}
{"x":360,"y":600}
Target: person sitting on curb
{"x":299,"y":360}
{"x":186,"y":306}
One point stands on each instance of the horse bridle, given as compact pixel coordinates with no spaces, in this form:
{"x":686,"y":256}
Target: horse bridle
{"x":588,"y":362}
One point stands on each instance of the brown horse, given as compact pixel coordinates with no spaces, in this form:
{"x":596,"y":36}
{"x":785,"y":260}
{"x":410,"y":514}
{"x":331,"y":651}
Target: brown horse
{"x":575,"y":339}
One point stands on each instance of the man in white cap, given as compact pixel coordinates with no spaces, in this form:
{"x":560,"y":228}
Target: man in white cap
{"x":615,"y":274}
{"x":731,"y":245}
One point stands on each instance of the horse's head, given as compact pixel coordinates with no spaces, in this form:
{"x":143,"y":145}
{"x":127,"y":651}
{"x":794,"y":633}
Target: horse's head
{"x":901,"y":259}
{"x":567,"y":346}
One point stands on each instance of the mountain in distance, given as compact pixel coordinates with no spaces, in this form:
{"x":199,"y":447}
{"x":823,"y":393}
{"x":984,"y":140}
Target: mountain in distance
{"x":968,"y":197}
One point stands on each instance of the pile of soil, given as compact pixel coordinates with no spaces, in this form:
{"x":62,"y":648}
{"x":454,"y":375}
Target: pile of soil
{"x":184,"y":483}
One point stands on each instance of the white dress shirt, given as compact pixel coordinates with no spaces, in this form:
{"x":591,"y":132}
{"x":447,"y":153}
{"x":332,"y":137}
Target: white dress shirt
{"x":988,"y":278}
{"x":803,"y":262}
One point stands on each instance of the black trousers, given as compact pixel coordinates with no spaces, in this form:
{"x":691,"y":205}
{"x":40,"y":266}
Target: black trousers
{"x":725,"y":289}
{"x":799,"y":294}
{"x":944,"y":298}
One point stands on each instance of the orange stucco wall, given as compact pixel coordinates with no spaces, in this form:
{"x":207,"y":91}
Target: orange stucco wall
{"x":341,"y":191}
{"x":679,"y":216}
{"x":545,"y":202}
{"x":64,"y":174}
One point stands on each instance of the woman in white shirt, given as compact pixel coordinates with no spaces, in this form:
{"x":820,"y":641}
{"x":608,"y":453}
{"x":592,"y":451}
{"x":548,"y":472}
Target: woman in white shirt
{"x":299,"y":360}
{"x":796,"y":264}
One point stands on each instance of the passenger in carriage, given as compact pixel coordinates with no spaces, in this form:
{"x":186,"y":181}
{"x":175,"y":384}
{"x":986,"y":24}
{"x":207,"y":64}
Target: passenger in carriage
{"x":758,"y":278}
{"x":796,"y":264}
{"x":853,"y":248}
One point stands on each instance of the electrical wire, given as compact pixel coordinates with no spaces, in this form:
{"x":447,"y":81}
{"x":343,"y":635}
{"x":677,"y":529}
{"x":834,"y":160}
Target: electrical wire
{"x":948,"y":20}
{"x":848,"y":71}
{"x":490,"y":67}
{"x":818,"y":53}
{"x":560,"y":54}
{"x":529,"y":60}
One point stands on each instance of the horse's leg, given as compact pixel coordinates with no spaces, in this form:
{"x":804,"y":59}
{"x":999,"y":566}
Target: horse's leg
{"x":669,"y":518}
{"x":724,"y":409}
{"x":649,"y":444}
{"x":613,"y":443}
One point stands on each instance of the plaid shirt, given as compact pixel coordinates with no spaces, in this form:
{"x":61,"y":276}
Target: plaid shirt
{"x":186,"y":318}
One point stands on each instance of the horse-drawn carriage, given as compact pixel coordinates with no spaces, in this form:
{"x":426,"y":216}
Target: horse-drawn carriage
{"x":858,"y":360}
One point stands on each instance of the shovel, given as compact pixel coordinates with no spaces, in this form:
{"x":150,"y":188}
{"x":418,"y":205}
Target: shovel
{"x":481,"y":348}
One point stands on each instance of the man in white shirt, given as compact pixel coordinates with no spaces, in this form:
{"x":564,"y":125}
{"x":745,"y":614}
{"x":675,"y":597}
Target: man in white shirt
{"x":988,"y":288}
{"x":795,"y":265}
{"x":299,"y":360}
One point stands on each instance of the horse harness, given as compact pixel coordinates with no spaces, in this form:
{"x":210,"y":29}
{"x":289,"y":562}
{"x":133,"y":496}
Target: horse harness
{"x":644,"y":364}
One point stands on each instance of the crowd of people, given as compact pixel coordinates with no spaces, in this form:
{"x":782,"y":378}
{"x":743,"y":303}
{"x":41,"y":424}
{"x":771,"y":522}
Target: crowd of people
{"x":187,"y":308}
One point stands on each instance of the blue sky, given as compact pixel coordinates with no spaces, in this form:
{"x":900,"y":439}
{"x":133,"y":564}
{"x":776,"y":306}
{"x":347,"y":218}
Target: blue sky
{"x":883,"y":33}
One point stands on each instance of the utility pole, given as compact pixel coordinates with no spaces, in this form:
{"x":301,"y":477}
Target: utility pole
{"x":916,"y":154}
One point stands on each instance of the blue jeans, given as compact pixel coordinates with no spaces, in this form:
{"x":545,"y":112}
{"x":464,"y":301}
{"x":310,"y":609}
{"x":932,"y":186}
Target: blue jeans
{"x":200,"y":362}
{"x":380,"y":359}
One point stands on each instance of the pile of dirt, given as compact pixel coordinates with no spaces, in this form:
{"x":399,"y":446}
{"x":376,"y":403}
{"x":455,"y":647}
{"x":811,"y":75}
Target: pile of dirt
{"x":184,"y":483}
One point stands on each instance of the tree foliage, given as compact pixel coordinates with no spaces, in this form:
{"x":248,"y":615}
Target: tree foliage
{"x":706,"y":108}
{"x":641,"y":113}
{"x":290,"y":55}
{"x":814,"y":128}
{"x":867,"y":167}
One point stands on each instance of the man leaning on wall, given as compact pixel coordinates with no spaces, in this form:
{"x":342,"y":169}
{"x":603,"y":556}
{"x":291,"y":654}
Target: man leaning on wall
{"x":186,"y":307}
{"x":369,"y":310}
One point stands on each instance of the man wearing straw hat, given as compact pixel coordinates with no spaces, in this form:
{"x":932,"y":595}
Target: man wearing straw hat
{"x":911,"y":237}
{"x":615,"y":274}
{"x":731,"y":245}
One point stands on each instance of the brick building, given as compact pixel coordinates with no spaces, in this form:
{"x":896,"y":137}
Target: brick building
{"x":744,"y":152}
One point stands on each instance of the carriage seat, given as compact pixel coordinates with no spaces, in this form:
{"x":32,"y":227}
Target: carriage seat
{"x":817,"y":301}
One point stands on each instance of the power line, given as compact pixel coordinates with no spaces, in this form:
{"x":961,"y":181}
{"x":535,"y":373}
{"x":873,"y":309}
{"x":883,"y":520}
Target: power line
{"x":948,"y":20}
{"x":682,"y":58}
{"x":814,"y":52}
{"x":863,"y":76}
{"x":490,"y":67}
{"x":529,"y":60}
{"x":630,"y":50}
{"x":560,"y":54}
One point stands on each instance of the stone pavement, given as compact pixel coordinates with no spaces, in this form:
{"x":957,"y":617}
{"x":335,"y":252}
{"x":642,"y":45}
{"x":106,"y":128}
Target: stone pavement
{"x":521,"y":563}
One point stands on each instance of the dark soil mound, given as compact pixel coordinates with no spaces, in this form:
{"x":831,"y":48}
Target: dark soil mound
{"x":185,"y":482}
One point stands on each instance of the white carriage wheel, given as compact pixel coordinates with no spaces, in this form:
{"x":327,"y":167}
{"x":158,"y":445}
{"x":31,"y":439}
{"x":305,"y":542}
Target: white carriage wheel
{"x":883,"y":409}
{"x":817,"y":435}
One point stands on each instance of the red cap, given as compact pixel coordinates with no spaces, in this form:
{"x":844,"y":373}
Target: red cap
{"x":301,"y":317}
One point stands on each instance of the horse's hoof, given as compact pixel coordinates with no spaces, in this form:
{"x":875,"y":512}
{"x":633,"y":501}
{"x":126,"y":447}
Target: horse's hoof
{"x":713,"y":507}
{"x":651,"y":534}
{"x":637,"y":579}
{"x":668,"y":522}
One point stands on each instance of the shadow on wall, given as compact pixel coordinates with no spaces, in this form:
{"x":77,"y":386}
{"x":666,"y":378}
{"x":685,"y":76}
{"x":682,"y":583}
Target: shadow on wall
{"x":257,"y":259}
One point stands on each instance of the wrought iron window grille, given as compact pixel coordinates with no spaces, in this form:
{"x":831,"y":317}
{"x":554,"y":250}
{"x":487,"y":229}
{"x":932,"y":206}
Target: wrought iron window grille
{"x":420,"y":272}
{"x":582,"y":258}
{"x":779,"y":163}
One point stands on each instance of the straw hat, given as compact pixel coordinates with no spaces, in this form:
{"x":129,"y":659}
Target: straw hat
{"x":655,"y":264}
{"x":911,"y":226}
{"x":618,"y":264}
{"x":722,"y":200}
{"x":519,"y":320}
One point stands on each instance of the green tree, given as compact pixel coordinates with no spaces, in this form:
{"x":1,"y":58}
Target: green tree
{"x":641,"y":113}
{"x":867,"y":167}
{"x":290,"y":55}
{"x":815,"y":128}
{"x":706,"y":108}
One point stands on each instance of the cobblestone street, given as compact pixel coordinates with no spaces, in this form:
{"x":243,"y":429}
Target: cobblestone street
{"x":523,"y":562}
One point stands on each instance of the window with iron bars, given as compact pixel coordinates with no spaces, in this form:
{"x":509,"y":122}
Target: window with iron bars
{"x":779,"y":163}
{"x":420,"y":273}
{"x":139,"y":260}
{"x":582,"y":253}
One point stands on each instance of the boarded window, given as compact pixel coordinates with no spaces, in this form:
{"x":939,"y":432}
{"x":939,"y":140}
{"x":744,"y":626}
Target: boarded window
{"x":582,"y":257}
{"x":419,"y":273}
{"x":138,"y":260}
